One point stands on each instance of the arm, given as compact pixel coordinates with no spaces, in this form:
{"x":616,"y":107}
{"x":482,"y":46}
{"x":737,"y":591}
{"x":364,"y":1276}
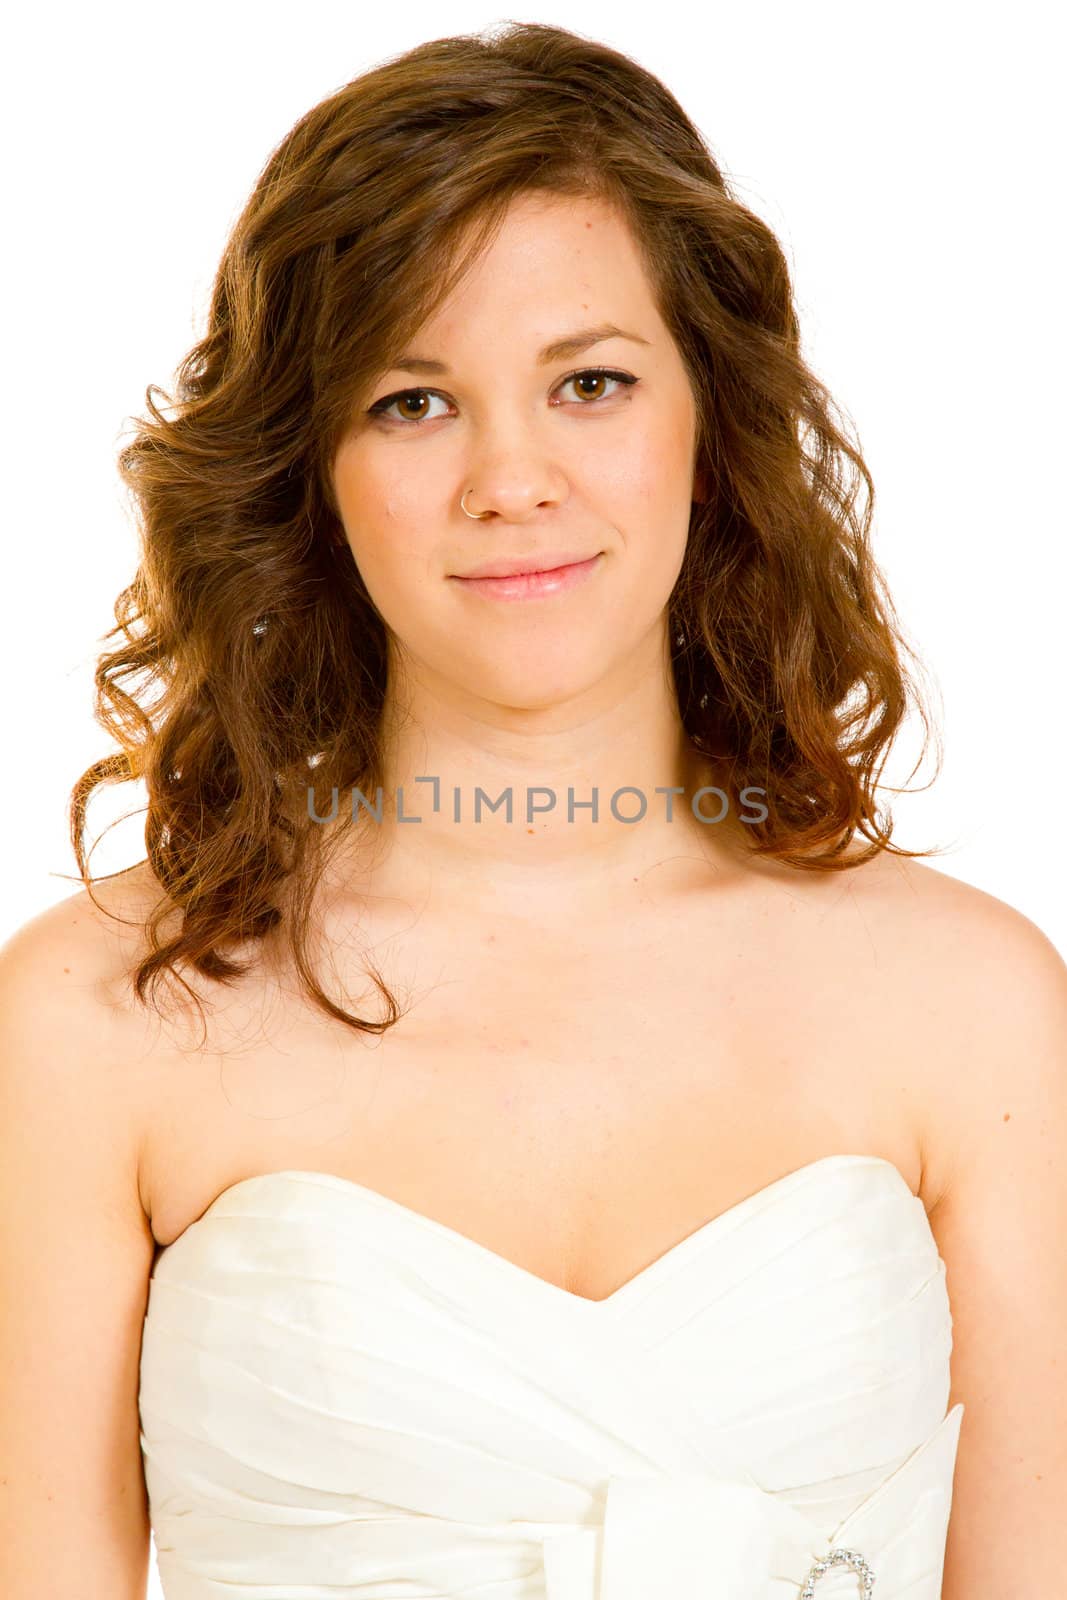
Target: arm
{"x":76,"y":1251}
{"x":1001,"y":1228}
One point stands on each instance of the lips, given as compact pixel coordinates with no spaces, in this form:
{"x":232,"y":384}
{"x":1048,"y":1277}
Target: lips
{"x":533,"y":585}
{"x":520,"y":566}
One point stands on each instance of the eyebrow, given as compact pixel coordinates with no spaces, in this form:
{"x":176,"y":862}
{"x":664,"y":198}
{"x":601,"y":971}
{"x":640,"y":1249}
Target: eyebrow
{"x":571,"y":344}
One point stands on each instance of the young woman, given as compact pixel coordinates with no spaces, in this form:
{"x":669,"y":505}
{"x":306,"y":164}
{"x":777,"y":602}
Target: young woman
{"x":603,"y":1164}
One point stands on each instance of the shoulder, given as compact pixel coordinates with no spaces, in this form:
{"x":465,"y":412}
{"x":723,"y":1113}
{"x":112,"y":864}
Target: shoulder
{"x":991,"y":940}
{"x":72,"y":1033}
{"x":977,"y":948}
{"x":981,"y":991}
{"x":999,"y":1135}
{"x":82,"y":949}
{"x":1011,"y":990}
{"x":996,"y":989}
{"x":76,"y":1253}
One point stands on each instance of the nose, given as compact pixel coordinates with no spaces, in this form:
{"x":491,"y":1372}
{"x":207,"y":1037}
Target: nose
{"x":512,"y":478}
{"x":513,"y":498}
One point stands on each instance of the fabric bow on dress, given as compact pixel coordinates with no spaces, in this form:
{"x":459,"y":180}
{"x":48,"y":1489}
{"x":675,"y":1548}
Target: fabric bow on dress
{"x":672,"y":1538}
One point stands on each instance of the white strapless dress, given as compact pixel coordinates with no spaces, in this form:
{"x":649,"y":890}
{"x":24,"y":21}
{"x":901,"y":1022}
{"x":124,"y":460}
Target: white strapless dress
{"x":341,"y":1399}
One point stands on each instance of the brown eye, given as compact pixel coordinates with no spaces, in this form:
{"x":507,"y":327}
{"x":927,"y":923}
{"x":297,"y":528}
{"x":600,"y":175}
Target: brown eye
{"x":410,"y":405}
{"x":598,"y":376}
{"x":589,"y":378}
{"x":403,"y":401}
{"x":407,"y":406}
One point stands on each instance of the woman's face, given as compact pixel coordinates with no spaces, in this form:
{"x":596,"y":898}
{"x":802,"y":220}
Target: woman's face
{"x":570,"y":467}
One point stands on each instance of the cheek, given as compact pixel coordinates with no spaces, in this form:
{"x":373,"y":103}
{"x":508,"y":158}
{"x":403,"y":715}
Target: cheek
{"x":657,"y":464}
{"x":375,"y":514}
{"x":396,"y":566}
{"x":658,"y":493}
{"x":385,"y":522}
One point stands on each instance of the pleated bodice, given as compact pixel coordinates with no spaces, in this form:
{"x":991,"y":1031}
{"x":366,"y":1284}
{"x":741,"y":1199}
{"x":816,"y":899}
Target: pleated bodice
{"x":342,"y":1399}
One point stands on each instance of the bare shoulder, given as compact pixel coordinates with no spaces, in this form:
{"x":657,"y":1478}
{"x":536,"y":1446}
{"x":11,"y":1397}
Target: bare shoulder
{"x":976,"y":945}
{"x":987,"y":953}
{"x":998,"y":1096}
{"x":993,"y":991}
{"x":75,"y":1240}
{"x":69,"y":1012}
{"x":83,"y":949}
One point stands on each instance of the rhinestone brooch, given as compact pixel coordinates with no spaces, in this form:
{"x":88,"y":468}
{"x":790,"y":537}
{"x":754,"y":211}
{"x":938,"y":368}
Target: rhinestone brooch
{"x":838,"y":1557}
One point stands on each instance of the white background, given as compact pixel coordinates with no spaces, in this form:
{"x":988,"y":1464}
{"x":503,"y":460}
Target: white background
{"x":906,"y":156}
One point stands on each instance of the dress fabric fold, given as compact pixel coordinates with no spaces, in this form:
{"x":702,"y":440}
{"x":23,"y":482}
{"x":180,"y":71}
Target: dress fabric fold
{"x":343,"y":1399}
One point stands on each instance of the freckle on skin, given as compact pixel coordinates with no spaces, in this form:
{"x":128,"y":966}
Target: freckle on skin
{"x":1007,"y":1116}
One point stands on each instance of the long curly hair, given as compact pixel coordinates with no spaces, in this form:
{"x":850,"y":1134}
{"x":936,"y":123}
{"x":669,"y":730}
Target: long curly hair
{"x":254,"y":658}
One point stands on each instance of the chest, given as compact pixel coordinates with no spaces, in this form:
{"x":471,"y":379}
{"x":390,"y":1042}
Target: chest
{"x":576,"y":1097}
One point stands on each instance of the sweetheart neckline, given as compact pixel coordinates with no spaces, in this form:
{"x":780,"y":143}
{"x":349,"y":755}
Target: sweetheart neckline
{"x":356,"y":1191}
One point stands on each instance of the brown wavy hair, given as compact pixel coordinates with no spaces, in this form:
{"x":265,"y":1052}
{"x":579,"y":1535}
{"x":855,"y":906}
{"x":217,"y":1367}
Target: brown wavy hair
{"x":247,"y":616}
